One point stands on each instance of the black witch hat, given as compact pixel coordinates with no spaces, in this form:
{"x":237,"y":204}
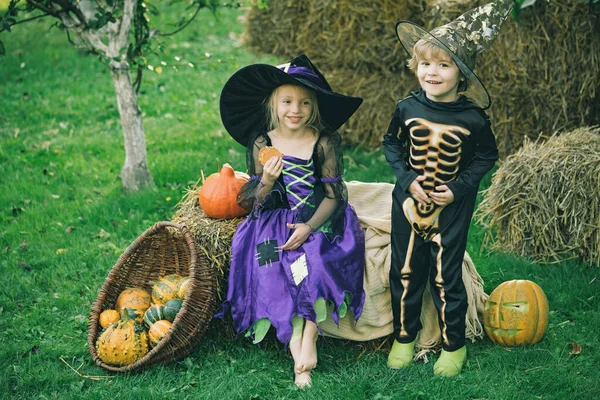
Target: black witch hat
{"x":243,"y":97}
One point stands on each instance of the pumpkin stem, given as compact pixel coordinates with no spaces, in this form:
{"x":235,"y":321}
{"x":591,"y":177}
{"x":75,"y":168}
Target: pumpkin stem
{"x":227,"y":170}
{"x":128,"y":314}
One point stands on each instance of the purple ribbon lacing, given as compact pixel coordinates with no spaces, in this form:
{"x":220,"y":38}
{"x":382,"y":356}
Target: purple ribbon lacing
{"x":324,"y":180}
{"x":306,"y":73}
{"x":331,"y":180}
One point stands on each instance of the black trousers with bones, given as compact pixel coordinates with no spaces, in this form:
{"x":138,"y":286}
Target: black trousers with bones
{"x":436,"y":257}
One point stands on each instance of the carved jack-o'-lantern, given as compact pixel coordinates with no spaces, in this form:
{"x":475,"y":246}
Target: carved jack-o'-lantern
{"x":516,"y":313}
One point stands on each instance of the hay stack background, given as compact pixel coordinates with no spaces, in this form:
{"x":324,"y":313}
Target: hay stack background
{"x":213,"y":236}
{"x":542,"y":74}
{"x":544,"y":200}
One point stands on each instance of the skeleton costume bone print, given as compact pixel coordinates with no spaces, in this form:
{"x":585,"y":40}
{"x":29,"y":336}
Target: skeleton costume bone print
{"x":435,"y":154}
{"x":448,"y":144}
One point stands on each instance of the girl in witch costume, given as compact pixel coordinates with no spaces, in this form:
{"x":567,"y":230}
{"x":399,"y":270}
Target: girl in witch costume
{"x":439,"y":145}
{"x":300,"y":252}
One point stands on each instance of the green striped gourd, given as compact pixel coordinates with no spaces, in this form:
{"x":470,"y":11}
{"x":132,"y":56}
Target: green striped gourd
{"x":165,"y":288}
{"x":172,"y":307}
{"x":154,"y":314}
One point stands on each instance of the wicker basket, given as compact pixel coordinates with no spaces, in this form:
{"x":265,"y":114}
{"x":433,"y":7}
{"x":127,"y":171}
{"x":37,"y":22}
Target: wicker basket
{"x":165,"y":248}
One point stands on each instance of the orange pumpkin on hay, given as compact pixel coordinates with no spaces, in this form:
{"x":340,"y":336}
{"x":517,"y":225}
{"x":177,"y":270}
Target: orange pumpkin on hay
{"x":218,"y":195}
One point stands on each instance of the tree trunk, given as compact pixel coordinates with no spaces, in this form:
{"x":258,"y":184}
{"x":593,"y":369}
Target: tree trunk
{"x":135,"y":174}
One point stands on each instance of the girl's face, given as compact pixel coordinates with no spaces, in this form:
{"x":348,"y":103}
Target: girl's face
{"x":293,"y":105}
{"x":439,"y":76}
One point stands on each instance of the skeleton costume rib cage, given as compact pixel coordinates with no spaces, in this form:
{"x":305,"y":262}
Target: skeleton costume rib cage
{"x":451,"y":144}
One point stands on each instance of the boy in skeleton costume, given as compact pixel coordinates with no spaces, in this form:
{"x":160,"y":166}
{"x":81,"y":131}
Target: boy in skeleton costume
{"x":439,"y":145}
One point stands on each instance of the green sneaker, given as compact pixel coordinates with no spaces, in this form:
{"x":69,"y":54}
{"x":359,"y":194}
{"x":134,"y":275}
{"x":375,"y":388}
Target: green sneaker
{"x":450,"y":363}
{"x":401,"y":355}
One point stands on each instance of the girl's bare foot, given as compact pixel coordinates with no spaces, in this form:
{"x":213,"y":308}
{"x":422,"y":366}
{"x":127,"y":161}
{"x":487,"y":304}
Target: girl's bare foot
{"x":296,"y":342}
{"x":303,"y":380}
{"x":308,"y":354}
{"x":296,"y":350}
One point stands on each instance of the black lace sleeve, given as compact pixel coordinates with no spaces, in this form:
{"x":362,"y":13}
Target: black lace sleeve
{"x":329,"y":169}
{"x":247,"y":195}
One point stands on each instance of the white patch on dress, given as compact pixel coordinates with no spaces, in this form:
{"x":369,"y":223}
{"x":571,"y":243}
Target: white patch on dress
{"x":299,"y":269}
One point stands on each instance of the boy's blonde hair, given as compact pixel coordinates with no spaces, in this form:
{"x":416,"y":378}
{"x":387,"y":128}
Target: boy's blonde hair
{"x":428,"y":49}
{"x":314,"y":120}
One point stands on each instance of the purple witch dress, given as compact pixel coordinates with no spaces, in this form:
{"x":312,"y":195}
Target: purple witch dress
{"x":324,"y":274}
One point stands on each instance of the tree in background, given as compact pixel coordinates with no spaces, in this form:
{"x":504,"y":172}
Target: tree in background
{"x":118,"y":31}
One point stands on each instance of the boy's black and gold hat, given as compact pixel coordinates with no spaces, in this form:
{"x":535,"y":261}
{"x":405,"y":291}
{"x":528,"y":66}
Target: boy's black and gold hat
{"x":464,"y":38}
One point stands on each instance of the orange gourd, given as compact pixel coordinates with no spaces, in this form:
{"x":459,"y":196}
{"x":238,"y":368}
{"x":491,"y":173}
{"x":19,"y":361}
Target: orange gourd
{"x":122,"y":343}
{"x":218,"y":195}
{"x":157,"y":331}
{"x":108,"y":317}
{"x":136,"y":299}
{"x":516,"y":313}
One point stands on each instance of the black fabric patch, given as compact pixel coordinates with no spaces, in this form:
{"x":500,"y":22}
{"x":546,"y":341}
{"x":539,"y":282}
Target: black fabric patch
{"x":267,"y":252}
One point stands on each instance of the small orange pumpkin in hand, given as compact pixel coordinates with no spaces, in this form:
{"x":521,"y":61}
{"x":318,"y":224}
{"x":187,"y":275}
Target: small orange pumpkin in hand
{"x":218,"y":195}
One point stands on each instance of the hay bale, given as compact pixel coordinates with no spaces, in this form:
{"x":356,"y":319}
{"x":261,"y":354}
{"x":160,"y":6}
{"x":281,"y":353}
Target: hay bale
{"x":544,"y":200}
{"x":213,"y":236}
{"x":543,"y":72}
{"x":550,"y":60}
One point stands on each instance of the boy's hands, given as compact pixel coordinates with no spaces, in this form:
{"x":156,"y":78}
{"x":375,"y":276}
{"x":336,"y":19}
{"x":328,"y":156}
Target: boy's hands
{"x":442,"y":196}
{"x":271,"y":170}
{"x":417,"y":192}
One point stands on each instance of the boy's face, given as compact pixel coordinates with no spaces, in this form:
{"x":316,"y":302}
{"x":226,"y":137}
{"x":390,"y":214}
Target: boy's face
{"x":439,"y":76}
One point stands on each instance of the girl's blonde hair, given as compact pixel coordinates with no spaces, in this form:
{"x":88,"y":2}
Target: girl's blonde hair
{"x":426,"y":49}
{"x":314,"y":120}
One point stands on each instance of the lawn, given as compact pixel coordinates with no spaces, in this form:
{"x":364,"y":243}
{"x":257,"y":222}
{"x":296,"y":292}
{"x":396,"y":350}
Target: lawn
{"x":64,"y":221}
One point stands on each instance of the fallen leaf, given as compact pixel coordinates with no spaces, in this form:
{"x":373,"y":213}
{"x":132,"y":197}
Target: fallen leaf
{"x":61,"y":251}
{"x":575,"y":348}
{"x":103,"y":234}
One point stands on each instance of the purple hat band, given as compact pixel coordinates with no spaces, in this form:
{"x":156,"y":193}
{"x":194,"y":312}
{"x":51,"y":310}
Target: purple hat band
{"x":305,"y":73}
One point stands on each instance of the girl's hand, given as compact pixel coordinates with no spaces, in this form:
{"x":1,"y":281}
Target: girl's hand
{"x":442,"y":196}
{"x":417,"y":192}
{"x":271,"y":170}
{"x":301,"y":233}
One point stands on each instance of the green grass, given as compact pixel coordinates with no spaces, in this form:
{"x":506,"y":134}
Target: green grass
{"x":64,"y":221}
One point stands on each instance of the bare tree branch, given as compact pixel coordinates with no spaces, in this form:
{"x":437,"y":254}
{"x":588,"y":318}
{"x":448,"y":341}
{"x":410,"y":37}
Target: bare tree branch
{"x":68,"y":7}
{"x":200,"y":6}
{"x":125,"y":27}
{"x":89,"y":38}
{"x":45,"y":9}
{"x":31,"y":19}
{"x":95,"y":42}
